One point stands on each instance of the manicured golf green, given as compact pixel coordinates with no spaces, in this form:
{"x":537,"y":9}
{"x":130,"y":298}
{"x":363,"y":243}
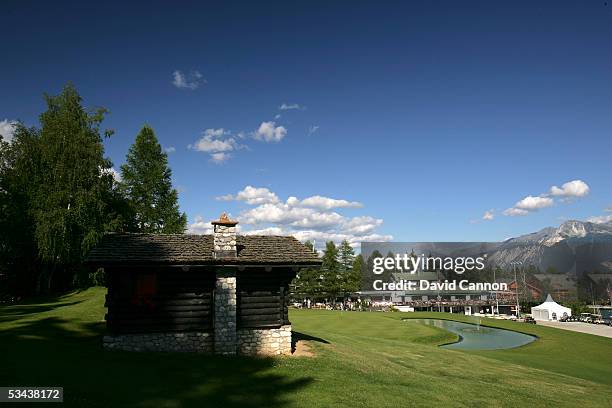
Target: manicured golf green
{"x":361,"y":359}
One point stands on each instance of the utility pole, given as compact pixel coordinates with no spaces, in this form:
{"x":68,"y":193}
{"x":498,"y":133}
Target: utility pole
{"x":496,"y":301}
{"x":518,"y":307}
{"x":439,"y":298}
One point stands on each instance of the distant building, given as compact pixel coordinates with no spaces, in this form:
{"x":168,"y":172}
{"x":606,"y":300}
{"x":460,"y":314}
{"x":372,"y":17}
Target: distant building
{"x":532,"y":288}
{"x":560,"y":286}
{"x":452,"y":301}
{"x":601,"y":288}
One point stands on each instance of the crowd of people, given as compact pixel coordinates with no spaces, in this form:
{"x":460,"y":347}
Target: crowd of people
{"x":366,"y":304}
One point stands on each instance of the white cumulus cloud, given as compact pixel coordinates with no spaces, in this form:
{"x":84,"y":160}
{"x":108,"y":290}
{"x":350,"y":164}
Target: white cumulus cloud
{"x":567,"y":192}
{"x":200,"y":226}
{"x":292,"y":106}
{"x":7,"y":129}
{"x":531,"y":203}
{"x":361,"y":225}
{"x":217,"y":143}
{"x":309,"y":219}
{"x":514,"y":212}
{"x":219,"y":157}
{"x":574,"y":188}
{"x":266,"y":231}
{"x":252,"y":195}
{"x":323,"y":203}
{"x":269,"y":132}
{"x":527,"y":205}
{"x":191,"y":81}
{"x":488,"y":215}
{"x":601,"y":219}
{"x":278,"y":213}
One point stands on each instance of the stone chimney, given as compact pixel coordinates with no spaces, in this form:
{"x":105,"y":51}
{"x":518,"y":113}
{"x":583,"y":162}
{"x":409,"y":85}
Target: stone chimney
{"x":224,"y":237}
{"x":224,"y":241}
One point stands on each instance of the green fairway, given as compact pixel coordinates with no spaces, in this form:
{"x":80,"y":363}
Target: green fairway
{"x":362,"y":360}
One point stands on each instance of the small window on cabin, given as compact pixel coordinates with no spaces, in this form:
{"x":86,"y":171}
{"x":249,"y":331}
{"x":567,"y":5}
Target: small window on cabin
{"x":145,"y":289}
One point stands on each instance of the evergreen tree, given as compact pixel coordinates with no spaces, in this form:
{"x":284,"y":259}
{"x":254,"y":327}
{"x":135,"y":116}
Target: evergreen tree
{"x":389,"y":274}
{"x":346,"y":257}
{"x":307,"y":283}
{"x":310,"y":246}
{"x":354,"y":278}
{"x":369,"y":277}
{"x":146,"y":181}
{"x":19,"y":168}
{"x":330,"y":268}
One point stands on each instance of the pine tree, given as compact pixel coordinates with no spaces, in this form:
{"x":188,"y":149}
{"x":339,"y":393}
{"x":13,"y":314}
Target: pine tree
{"x":369,"y":277}
{"x":307,"y":283}
{"x":310,"y":246}
{"x":354,"y":278}
{"x":147,"y":183}
{"x":346,"y":257}
{"x":330,"y":268}
{"x":389,"y":274}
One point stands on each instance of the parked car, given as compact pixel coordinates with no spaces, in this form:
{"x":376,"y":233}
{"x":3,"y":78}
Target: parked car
{"x":564,"y":318}
{"x":530,"y":320}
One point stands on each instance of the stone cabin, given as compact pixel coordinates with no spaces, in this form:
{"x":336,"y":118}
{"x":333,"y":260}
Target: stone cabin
{"x":218,"y":293}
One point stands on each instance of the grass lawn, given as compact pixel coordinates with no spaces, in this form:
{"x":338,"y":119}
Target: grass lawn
{"x":362,"y":360}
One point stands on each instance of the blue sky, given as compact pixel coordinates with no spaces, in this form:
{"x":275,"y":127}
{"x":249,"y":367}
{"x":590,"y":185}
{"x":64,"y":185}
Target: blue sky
{"x":416,"y":118}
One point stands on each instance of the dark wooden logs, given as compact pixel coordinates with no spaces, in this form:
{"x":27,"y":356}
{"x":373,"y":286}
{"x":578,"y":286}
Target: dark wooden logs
{"x":262,"y":297}
{"x":181,"y":301}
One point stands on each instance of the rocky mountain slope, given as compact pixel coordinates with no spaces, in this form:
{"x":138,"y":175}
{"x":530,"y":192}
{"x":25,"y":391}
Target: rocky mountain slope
{"x":575,"y":247}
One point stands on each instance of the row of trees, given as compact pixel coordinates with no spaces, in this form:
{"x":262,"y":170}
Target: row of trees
{"x":58,"y":195}
{"x":340,"y":274}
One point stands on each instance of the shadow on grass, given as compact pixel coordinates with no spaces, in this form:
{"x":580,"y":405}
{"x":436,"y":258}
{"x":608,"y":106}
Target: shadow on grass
{"x":58,"y":352}
{"x":297,"y":336}
{"x":9,"y":312}
{"x":44,"y":299}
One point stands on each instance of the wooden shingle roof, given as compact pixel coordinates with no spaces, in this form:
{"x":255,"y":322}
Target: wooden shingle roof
{"x":127,"y":248}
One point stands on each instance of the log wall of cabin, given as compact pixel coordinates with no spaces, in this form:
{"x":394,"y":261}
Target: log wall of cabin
{"x":262,"y":297}
{"x":183,"y":300}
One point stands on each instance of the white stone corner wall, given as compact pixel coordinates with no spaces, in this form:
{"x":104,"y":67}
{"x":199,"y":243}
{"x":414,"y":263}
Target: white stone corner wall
{"x":192,"y":342}
{"x":273,"y":342}
{"x":225,"y":315}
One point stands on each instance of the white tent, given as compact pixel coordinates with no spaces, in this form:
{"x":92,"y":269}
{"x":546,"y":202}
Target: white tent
{"x":549,"y":310}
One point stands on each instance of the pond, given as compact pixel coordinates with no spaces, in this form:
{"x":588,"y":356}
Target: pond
{"x":477,"y":337}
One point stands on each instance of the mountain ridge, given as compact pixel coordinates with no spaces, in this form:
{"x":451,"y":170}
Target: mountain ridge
{"x":574,"y":248}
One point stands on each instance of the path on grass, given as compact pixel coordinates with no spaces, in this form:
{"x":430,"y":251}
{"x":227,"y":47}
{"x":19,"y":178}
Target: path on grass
{"x":596,"y":329}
